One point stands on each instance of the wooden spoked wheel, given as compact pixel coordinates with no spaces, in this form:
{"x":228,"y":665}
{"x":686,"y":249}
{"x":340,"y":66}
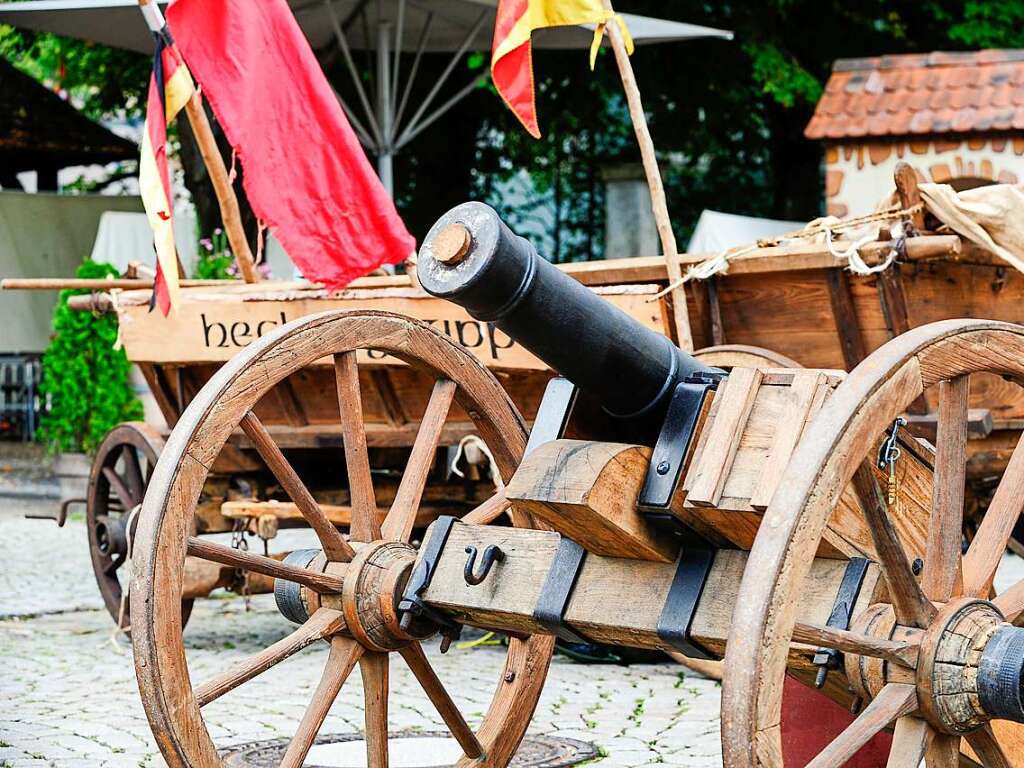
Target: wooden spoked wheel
{"x":904,"y":642}
{"x":118,"y":479}
{"x":350,"y":590}
{"x":744,"y":356}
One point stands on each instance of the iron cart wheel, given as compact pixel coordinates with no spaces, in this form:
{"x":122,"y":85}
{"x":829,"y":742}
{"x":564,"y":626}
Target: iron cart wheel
{"x":917,"y":657}
{"x":348,"y":590}
{"x":118,"y":480}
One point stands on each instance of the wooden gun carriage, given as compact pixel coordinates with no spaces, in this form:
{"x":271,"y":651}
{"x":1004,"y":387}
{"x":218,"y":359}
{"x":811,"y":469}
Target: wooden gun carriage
{"x":785,"y":519}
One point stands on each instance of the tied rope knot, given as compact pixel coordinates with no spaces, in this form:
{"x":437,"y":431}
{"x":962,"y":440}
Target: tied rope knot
{"x":824,"y":227}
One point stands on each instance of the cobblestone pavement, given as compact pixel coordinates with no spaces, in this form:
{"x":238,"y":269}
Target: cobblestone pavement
{"x":68,"y":698}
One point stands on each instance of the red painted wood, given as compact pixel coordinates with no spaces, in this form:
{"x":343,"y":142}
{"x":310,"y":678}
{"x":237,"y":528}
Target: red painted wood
{"x":810,"y":720}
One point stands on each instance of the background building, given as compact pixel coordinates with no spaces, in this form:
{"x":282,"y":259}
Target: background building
{"x":955,"y":117}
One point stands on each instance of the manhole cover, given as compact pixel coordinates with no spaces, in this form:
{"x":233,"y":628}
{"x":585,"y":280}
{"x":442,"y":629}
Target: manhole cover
{"x":407,"y":750}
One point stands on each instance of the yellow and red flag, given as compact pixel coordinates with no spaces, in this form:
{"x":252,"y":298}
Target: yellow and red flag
{"x":512,"y":52}
{"x":170,"y":88}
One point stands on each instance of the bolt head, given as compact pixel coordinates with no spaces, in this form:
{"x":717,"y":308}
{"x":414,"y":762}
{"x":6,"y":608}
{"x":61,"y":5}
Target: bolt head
{"x":663,"y":467}
{"x":451,"y":244}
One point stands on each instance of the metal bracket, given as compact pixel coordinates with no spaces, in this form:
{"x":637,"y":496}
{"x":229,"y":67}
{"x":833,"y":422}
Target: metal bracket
{"x":557,"y":591}
{"x":692,"y":569}
{"x":553,"y":414}
{"x":677,"y":432}
{"x":411,"y":606}
{"x":842,"y":612}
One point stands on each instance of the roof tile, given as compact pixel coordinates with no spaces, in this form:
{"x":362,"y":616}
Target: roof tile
{"x":935,"y":92}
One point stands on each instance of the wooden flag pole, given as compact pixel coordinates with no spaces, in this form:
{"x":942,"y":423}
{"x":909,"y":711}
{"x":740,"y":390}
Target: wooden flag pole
{"x":226,"y":198}
{"x":650,"y":161}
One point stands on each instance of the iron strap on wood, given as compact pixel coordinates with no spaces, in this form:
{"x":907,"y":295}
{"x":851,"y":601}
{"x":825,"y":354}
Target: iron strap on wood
{"x":557,"y":591}
{"x":842,"y":612}
{"x":692,"y":569}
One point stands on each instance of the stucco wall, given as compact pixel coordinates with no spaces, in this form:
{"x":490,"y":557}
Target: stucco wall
{"x":859,"y":175}
{"x":44,"y":235}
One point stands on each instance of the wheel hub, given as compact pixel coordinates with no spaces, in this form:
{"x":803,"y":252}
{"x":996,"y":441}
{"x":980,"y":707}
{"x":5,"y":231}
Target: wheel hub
{"x":964,"y":678}
{"x":970,"y":665}
{"x":373,"y":584}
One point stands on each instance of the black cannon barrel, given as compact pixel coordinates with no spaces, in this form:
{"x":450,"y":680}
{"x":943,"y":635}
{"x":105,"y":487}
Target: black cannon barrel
{"x":472,"y":258}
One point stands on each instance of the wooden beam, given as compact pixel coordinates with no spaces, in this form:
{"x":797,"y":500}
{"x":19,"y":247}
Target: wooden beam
{"x":845,"y":315}
{"x":588,"y":491}
{"x":733,"y":404}
{"x":908,"y":193}
{"x":607,"y":606}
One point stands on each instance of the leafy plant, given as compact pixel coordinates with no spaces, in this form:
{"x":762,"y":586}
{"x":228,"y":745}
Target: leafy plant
{"x":215,"y":261}
{"x":85,"y":378}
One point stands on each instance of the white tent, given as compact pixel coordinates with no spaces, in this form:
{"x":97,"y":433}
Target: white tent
{"x":717,"y":232}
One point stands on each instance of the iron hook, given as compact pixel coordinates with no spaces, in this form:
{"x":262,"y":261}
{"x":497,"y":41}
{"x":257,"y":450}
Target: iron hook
{"x":492,"y":554}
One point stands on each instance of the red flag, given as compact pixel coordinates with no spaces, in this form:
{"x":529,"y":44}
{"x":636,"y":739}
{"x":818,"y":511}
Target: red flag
{"x":170,"y":88}
{"x":512,"y":50}
{"x":305,"y":174}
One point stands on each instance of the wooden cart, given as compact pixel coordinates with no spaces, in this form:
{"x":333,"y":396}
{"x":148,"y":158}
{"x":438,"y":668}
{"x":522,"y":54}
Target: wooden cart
{"x":798,"y":554}
{"x":776,"y":307}
{"x":180,"y":354}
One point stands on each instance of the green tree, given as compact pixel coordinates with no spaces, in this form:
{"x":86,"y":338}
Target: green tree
{"x":104,"y":81}
{"x":84,"y":376}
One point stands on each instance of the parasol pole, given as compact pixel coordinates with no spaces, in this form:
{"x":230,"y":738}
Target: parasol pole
{"x":653,"y":174}
{"x":226,"y":199}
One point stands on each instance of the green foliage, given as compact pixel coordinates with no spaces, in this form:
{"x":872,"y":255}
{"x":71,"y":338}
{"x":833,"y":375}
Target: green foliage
{"x":781,"y":76}
{"x":215,"y":261}
{"x":103,"y":80}
{"x":85,"y":378}
{"x":990,"y":24}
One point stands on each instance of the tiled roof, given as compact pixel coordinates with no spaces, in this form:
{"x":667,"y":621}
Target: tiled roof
{"x":926,"y":93}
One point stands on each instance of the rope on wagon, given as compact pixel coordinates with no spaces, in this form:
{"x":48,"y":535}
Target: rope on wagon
{"x":825,"y":227}
{"x":470,"y":442}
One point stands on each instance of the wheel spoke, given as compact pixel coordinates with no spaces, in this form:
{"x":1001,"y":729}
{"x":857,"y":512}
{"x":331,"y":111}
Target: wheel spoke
{"x":990,"y":542}
{"x":374,"y":669}
{"x":402,"y":515}
{"x":904,"y":654}
{"x":420,"y":666}
{"x":943,"y":752}
{"x":489,"y":511}
{"x":1011,"y":602}
{"x":237,"y":558}
{"x":120,"y":489}
{"x":911,"y":606}
{"x":323,"y":623}
{"x":343,"y":657}
{"x":943,"y":576}
{"x":909,"y":741}
{"x":133,"y":471}
{"x":334,"y":544}
{"x":894,"y":701}
{"x":365,"y":516}
{"x":985,"y":746}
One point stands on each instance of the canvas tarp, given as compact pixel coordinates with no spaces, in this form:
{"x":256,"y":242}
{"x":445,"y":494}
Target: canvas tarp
{"x":992,"y":216}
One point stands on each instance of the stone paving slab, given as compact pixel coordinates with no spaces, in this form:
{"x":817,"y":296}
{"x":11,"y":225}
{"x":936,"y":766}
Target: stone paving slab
{"x":69,"y":698}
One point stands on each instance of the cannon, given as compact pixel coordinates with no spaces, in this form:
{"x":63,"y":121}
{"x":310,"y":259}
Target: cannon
{"x":782,"y":519}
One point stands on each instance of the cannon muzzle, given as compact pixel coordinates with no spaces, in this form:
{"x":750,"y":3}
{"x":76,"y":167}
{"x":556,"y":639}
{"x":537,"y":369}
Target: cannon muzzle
{"x":472,"y":258}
